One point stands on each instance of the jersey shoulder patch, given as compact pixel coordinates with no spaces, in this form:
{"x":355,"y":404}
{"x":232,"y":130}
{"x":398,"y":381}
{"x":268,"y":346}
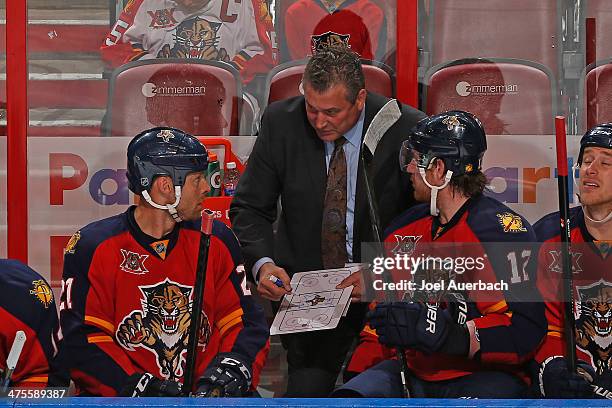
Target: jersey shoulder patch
{"x":493,"y":221}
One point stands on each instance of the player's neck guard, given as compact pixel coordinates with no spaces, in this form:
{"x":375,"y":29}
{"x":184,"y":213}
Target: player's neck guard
{"x":433,"y":205}
{"x":171,"y":208}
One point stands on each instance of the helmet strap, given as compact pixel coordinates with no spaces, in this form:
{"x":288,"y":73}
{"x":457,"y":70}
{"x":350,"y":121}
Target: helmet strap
{"x":607,"y":218}
{"x":433,"y":205}
{"x":171,"y":208}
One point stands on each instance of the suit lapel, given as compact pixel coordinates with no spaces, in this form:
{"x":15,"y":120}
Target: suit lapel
{"x":361,"y":226}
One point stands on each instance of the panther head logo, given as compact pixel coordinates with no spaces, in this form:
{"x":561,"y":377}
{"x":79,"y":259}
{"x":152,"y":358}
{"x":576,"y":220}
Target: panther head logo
{"x":594,"y":326}
{"x":196,"y":38}
{"x":163,"y":326}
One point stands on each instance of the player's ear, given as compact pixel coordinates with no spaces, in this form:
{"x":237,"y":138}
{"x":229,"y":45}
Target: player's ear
{"x":163,"y":188}
{"x":438,"y":169}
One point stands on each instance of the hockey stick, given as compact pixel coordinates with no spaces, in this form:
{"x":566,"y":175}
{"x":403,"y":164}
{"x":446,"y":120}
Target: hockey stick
{"x":198,"y":300}
{"x":13,"y":357}
{"x":568,"y":289}
{"x":383,"y":120}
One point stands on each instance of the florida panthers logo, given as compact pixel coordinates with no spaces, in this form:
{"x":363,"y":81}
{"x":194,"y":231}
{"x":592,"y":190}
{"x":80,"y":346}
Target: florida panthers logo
{"x":162,"y":326}
{"x":406,"y":244}
{"x":321,"y":41}
{"x":594,"y":325}
{"x":196,"y":38}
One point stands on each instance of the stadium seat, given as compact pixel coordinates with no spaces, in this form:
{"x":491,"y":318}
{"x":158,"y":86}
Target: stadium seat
{"x":283,"y":81}
{"x":601,"y":12}
{"x":199,"y":97}
{"x":595,"y":91}
{"x":385,"y":51}
{"x":508,"y":95}
{"x":523,"y":29}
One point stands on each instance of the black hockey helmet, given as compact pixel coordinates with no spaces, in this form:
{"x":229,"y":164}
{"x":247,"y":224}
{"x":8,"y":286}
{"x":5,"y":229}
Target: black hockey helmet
{"x":598,"y":136}
{"x":456,"y":137}
{"x":163,"y":151}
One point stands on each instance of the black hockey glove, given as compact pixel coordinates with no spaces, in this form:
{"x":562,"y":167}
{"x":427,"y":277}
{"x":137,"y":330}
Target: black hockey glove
{"x":147,"y":385}
{"x":226,"y":376}
{"x":556,"y":381}
{"x":424,"y":327}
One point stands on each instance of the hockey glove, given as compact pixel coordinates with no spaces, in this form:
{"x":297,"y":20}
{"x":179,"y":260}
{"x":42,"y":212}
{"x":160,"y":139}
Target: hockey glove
{"x":556,"y":381}
{"x":147,"y":385}
{"x":226,"y":376}
{"x":424,"y":327}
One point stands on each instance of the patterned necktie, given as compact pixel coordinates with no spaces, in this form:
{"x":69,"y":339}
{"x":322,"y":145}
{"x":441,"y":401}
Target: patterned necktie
{"x":333,"y":231}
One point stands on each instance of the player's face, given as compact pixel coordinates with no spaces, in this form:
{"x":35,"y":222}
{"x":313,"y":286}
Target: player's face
{"x":422,"y":193}
{"x":596,"y":177}
{"x":330,"y":113}
{"x":192,"y":195}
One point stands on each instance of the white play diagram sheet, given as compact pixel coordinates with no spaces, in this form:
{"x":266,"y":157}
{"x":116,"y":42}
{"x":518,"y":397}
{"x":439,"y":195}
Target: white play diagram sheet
{"x":314,"y":303}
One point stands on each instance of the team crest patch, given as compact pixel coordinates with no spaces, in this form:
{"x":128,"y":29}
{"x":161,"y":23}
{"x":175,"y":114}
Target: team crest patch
{"x":72,"y":242}
{"x":330,"y":38}
{"x":452,"y":122}
{"x":133,"y":262}
{"x":162,"y":326}
{"x":511,"y":222}
{"x":160,"y":247}
{"x":163,"y":18}
{"x":406,"y":244}
{"x":594,"y":323}
{"x":556,"y":261}
{"x":165,"y":135}
{"x":42,"y":292}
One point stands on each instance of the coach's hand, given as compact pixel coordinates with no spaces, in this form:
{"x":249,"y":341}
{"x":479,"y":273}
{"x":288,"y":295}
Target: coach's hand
{"x":354,"y":280}
{"x":556,"y":381}
{"x":267,"y":288}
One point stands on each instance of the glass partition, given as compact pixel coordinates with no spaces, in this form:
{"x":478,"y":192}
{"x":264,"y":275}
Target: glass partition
{"x":101,"y":71}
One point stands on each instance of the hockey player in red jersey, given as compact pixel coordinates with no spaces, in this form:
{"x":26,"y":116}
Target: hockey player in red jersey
{"x":236,"y":31}
{"x":591,"y":258}
{"x":128,"y":287}
{"x":471,"y":343}
{"x":28,"y":306}
{"x":312,"y":24}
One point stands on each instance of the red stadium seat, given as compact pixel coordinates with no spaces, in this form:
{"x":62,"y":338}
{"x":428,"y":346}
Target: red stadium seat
{"x":199,"y":97}
{"x":523,"y":29}
{"x":601,"y":12}
{"x":596,"y":88}
{"x":284,"y":80}
{"x":385,"y":50}
{"x":509,"y":96}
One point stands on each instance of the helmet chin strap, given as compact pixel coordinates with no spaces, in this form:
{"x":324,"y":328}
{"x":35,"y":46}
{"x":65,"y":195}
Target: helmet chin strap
{"x":607,"y":218}
{"x":585,"y":209}
{"x":433,"y":206}
{"x":170,"y":207}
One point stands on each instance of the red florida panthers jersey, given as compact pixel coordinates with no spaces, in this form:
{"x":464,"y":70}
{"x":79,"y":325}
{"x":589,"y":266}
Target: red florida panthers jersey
{"x":236,"y":31}
{"x":126,"y":304}
{"x":27,"y":304}
{"x":507,"y":324}
{"x":309,"y":25}
{"x":592,"y":281}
